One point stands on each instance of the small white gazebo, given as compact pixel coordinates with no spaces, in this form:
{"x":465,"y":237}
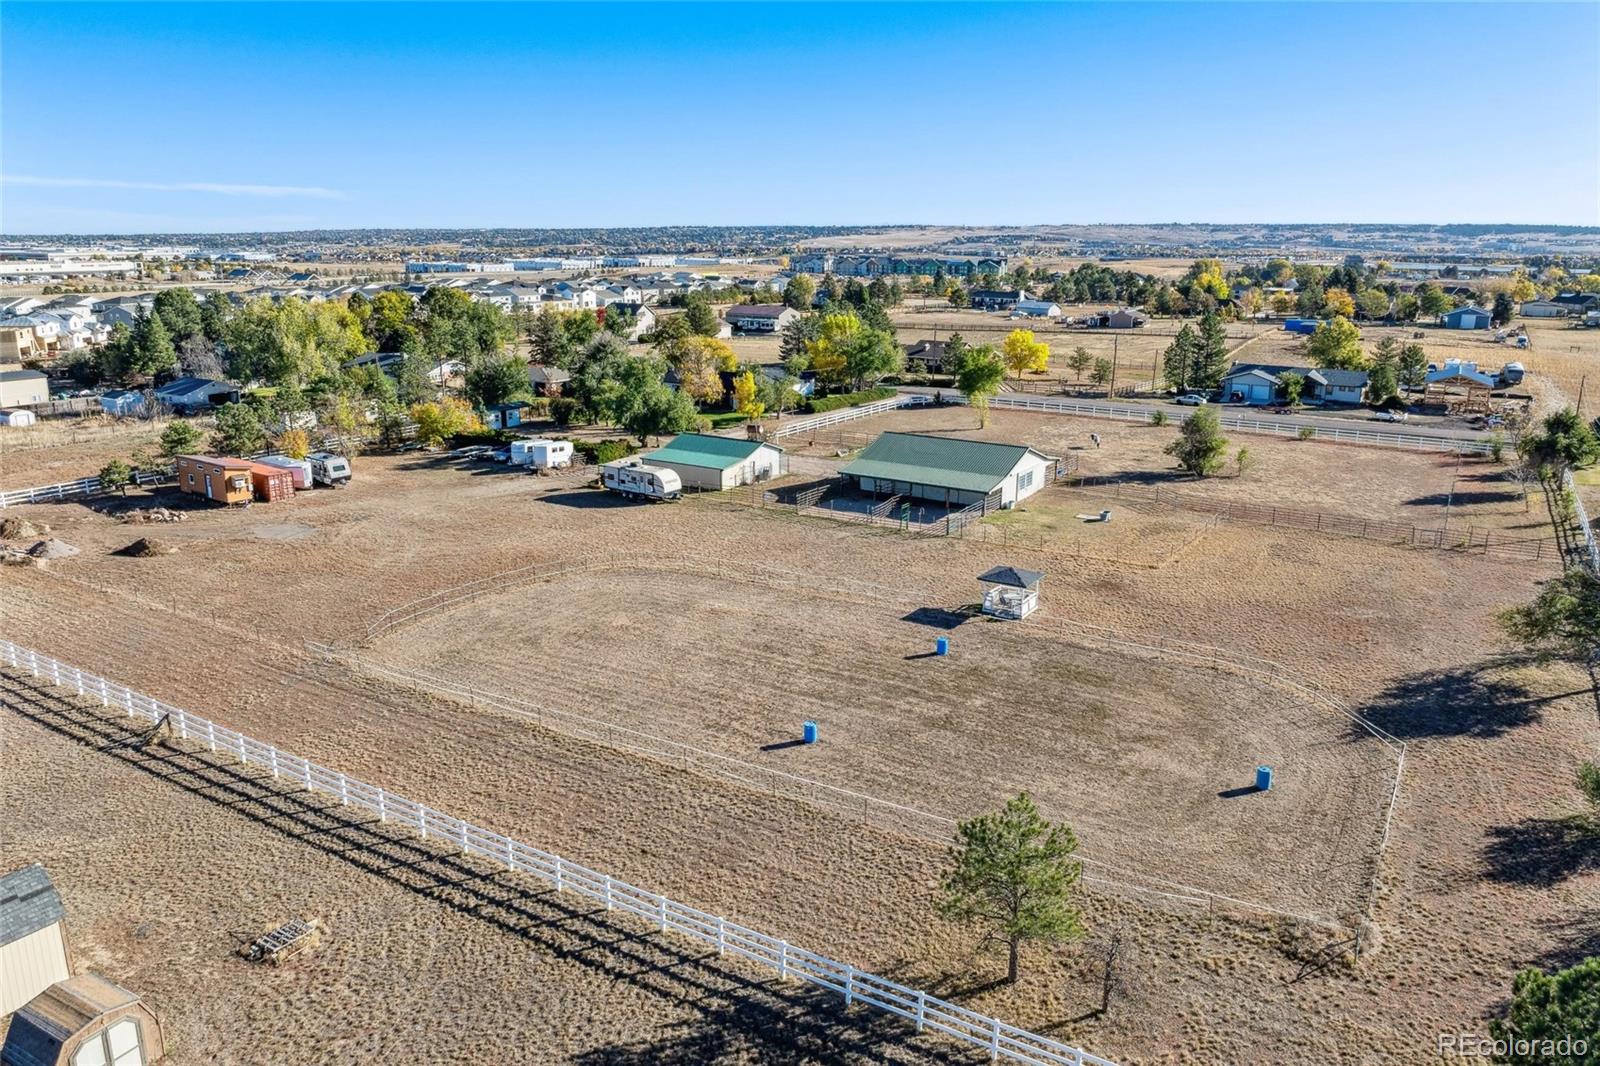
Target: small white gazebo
{"x":1010,"y":592}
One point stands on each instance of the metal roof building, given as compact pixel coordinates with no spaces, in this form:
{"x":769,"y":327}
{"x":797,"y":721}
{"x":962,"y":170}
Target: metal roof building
{"x":951,"y":470}
{"x":711,"y":463}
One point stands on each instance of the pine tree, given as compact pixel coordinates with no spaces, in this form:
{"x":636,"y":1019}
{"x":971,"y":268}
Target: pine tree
{"x":1213,"y":362}
{"x":1178,"y":362}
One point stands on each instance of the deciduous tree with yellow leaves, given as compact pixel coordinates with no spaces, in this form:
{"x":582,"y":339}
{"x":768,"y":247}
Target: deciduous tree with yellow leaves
{"x":1024,"y":352}
{"x":747,"y":396}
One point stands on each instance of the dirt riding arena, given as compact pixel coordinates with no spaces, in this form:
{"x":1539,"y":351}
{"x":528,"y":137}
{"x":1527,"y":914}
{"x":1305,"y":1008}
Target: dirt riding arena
{"x":724,"y":627}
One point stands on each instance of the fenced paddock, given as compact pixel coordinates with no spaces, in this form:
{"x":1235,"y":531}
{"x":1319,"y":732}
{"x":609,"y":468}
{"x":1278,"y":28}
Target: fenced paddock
{"x":1469,"y":539}
{"x":894,"y":754}
{"x":788,"y":962}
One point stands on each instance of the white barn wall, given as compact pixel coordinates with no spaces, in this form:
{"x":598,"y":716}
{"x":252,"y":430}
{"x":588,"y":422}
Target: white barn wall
{"x":30,"y":965}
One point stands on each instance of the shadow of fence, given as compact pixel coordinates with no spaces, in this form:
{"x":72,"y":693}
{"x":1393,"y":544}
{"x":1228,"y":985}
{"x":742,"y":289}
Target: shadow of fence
{"x":767,"y":1019}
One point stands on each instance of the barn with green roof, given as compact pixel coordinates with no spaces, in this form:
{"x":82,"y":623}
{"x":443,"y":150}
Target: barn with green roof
{"x":711,"y":464}
{"x":949,"y":470}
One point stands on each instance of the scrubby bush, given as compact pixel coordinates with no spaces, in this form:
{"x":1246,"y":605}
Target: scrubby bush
{"x":603,"y":451}
{"x":824,"y":404}
{"x":563,"y":410}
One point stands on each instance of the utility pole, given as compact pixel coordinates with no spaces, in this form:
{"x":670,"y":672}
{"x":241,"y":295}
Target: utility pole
{"x":1112,"y":395}
{"x":1581,"y":382}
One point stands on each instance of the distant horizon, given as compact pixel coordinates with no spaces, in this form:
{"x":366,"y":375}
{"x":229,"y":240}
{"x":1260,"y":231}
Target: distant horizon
{"x":1529,"y":227}
{"x":280,"y":118}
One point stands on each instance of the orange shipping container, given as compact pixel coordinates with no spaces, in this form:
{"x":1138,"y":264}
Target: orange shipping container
{"x":272,"y":483}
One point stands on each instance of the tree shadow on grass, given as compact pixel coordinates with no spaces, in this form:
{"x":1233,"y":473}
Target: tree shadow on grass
{"x":1463,"y":499}
{"x":1575,"y":939}
{"x":1542,"y":852}
{"x":1465,"y":701}
{"x":751,"y":1018}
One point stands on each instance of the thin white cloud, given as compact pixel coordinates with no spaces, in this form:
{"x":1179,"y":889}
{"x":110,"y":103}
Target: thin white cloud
{"x":312,"y":192}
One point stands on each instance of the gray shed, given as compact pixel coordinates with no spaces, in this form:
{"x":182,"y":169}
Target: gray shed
{"x":33,"y":947}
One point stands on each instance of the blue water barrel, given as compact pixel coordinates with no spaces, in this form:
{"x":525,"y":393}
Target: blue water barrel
{"x":942,"y":646}
{"x":809,"y":732}
{"x":1263,"y":778}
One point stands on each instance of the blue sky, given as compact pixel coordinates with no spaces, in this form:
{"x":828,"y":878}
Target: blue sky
{"x":138,"y":118}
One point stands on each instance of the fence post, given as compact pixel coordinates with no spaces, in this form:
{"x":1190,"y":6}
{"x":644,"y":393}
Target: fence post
{"x":183,"y":727}
{"x":662,"y":910}
{"x":994,"y":1039}
{"x":849,"y":986}
{"x":383,"y":808}
{"x":722,"y":936}
{"x":272,"y":760}
{"x":783,"y":960}
{"x":211,"y":735}
{"x":344,"y":791}
{"x":608,"y":891}
{"x":560,"y":881}
{"x":922,"y":1008}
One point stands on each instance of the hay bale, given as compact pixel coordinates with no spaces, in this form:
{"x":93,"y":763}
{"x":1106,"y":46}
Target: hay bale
{"x":145,"y":548}
{"x":21,"y":529}
{"x":52,"y":549}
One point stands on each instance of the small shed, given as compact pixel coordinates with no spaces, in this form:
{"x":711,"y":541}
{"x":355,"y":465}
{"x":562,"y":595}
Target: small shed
{"x":17,"y":416}
{"x":122,"y":402}
{"x":504,"y":415}
{"x":270,"y":482}
{"x":84,"y":1021}
{"x":1010,"y":592}
{"x":33,"y":947}
{"x":547,"y":380}
{"x":223,"y":480}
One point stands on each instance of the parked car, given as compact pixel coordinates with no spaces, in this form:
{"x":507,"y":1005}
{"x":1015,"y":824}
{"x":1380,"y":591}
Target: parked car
{"x":1393,"y":416}
{"x":1190,"y":399}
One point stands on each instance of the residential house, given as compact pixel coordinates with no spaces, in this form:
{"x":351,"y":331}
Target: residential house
{"x":1260,"y":384}
{"x":1579,"y":302}
{"x":925,"y":356}
{"x":949,"y":470}
{"x":547,"y":380}
{"x":997,"y":299}
{"x":644,"y":319}
{"x":19,"y":344}
{"x":760,"y":318}
{"x":189,"y":394}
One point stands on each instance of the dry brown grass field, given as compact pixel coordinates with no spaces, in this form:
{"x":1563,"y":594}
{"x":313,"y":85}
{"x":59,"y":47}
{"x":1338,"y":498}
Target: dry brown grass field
{"x":1483,"y":874}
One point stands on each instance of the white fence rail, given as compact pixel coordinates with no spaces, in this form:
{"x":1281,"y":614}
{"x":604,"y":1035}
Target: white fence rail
{"x":1243,"y":424}
{"x":1002,"y":1041}
{"x":85,"y":486}
{"x":1582,"y":516}
{"x":849,"y":414}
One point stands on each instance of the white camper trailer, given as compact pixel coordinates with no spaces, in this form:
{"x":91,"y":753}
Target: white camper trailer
{"x":300,"y":468}
{"x":635,"y":480}
{"x":541,"y":454}
{"x":329,"y":469}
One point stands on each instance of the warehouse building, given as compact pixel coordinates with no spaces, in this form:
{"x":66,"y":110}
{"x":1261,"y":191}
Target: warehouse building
{"x":949,"y":470}
{"x":712,"y":464}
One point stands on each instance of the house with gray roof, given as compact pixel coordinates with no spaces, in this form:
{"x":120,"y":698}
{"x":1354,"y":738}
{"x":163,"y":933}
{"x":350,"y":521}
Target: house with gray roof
{"x":1260,"y":384}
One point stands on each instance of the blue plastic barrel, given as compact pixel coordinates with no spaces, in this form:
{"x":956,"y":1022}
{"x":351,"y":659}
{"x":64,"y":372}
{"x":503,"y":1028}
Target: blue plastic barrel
{"x":1263,"y":778}
{"x":942,"y":646}
{"x":809,"y":732}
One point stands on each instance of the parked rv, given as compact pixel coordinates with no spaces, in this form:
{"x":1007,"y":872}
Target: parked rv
{"x":300,"y":468}
{"x":1511,"y":374}
{"x":541,"y":454}
{"x":329,"y":469}
{"x":635,"y":480}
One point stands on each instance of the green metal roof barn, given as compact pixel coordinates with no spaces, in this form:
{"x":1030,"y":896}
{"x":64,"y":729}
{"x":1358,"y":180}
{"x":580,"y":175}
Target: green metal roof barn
{"x":949,"y":469}
{"x":710,"y":463}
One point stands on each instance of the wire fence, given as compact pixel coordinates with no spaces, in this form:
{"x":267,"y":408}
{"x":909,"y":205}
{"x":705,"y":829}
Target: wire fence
{"x":1468,"y":539}
{"x":1581,"y":519}
{"x":1242,"y":423}
{"x":855,"y":986}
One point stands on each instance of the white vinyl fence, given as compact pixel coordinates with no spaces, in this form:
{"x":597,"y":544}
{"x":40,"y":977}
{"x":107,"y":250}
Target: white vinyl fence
{"x":85,"y":486}
{"x":1123,"y":412}
{"x":850,"y":414}
{"x":1002,"y":1041}
{"x":1582,"y":517}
